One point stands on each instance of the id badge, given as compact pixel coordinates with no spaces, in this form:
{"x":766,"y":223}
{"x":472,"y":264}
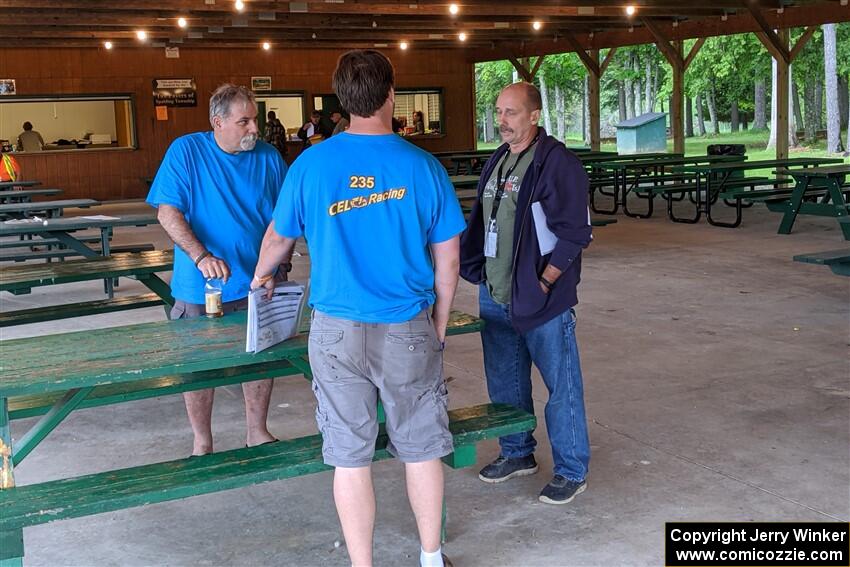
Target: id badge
{"x":490,"y":241}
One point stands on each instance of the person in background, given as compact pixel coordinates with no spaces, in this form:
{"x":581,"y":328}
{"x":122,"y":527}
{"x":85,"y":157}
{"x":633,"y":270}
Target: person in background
{"x":313,"y":127}
{"x":30,"y":140}
{"x":418,"y":122}
{"x":275,"y":133}
{"x":215,"y":193}
{"x":379,"y":318}
{"x":340,"y":122}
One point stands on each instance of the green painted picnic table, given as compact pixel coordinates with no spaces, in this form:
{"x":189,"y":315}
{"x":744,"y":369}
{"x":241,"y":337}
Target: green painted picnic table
{"x":837,"y":260}
{"x":829,"y":178}
{"x":651,"y":170}
{"x":53,"y":375}
{"x":590,"y":160}
{"x":51,"y":209}
{"x":10,"y":184}
{"x":713,"y":178}
{"x":25,"y":195}
{"x":464,"y":181}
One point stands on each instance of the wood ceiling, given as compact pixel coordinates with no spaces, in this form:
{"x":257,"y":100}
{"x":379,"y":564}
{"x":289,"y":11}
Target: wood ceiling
{"x":489,"y":25}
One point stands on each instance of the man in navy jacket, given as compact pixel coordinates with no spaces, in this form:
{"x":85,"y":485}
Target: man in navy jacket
{"x":523,"y":247}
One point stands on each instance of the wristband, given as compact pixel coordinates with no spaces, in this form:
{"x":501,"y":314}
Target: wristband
{"x":264,"y":279}
{"x":202,"y":256}
{"x":546,"y":283}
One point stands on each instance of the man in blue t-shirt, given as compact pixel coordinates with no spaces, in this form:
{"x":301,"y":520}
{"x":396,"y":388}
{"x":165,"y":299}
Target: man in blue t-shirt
{"x":215,"y":194}
{"x":382,"y":224}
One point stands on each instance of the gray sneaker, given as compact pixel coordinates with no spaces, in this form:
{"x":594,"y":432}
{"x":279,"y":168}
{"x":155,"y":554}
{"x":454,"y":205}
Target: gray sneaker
{"x":505,"y":468}
{"x":561,"y":491}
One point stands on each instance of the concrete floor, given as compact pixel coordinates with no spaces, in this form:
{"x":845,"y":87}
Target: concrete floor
{"x":717,"y":387}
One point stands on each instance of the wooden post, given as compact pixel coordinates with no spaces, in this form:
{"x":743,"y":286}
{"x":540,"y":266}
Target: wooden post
{"x":593,"y":102}
{"x":677,"y":116}
{"x":782,"y":98}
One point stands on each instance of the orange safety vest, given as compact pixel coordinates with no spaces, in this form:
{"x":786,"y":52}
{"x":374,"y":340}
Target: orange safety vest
{"x":9,"y":169}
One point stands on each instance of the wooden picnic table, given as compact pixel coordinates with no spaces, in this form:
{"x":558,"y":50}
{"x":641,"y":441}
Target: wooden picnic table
{"x":10,"y":184}
{"x":143,"y":266}
{"x":53,"y":375}
{"x":51,"y":209}
{"x":713,"y":178}
{"x":25,"y":195}
{"x":652,"y":170}
{"x":831,"y":179}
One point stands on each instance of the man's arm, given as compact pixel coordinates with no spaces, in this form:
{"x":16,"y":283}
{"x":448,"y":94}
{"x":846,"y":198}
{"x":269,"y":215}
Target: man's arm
{"x":174,"y":223}
{"x":446,"y":257}
{"x":274,"y":251}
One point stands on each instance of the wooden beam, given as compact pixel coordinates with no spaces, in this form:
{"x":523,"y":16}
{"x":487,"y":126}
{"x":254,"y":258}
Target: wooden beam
{"x":673,"y":56}
{"x":536,"y":67}
{"x":782,"y":98}
{"x":768,"y":35}
{"x":521,"y":69}
{"x":693,"y":53}
{"x":801,"y":43}
{"x":605,"y":62}
{"x":591,"y":65}
{"x":593,"y":101}
{"x":677,"y":116}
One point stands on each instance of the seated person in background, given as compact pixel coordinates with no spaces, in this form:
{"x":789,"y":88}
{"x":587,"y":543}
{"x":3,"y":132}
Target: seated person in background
{"x":30,"y":140}
{"x":418,"y":122}
{"x":313,"y":128}
{"x":397,"y":125}
{"x":340,"y":122}
{"x":275,"y":133}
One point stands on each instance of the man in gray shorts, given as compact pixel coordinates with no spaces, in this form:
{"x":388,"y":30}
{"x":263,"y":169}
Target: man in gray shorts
{"x":214,"y":193}
{"x":382,"y":224}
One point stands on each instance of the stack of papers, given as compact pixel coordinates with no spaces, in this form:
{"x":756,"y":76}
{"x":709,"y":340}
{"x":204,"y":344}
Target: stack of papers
{"x":274,"y":320}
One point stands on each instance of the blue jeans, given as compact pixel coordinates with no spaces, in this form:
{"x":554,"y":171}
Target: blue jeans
{"x":553,"y":349}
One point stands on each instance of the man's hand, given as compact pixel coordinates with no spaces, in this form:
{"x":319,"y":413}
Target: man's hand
{"x":213,"y":267}
{"x":267,"y":282}
{"x":543,"y":287}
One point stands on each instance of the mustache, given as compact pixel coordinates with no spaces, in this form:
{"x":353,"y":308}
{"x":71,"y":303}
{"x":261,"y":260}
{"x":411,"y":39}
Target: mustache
{"x":248,"y":142}
{"x":505,"y":129}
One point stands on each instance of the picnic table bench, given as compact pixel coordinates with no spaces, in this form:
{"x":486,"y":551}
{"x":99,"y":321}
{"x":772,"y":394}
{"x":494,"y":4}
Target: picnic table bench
{"x":55,"y":374}
{"x":51,"y":209}
{"x":142,"y":266}
{"x":837,"y":260}
{"x":828,"y":182}
{"x":10,"y":184}
{"x":25,"y":195}
{"x":714,"y":180}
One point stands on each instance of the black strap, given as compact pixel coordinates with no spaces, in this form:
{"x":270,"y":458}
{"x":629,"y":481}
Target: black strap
{"x":500,"y":183}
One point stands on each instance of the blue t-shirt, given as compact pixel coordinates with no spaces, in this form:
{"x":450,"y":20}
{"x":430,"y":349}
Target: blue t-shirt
{"x":369,"y":207}
{"x":227,"y":199}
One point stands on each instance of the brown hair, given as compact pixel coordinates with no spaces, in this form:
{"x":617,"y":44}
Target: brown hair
{"x":362,"y":81}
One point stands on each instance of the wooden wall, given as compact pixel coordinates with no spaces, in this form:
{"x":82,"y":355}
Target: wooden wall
{"x":117,"y":174}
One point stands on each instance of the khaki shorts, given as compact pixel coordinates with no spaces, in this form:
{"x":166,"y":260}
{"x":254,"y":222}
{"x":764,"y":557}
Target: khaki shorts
{"x":183,"y":310}
{"x":355,"y":364}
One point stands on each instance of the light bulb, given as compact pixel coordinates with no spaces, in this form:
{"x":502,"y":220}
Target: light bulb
{"x":402,"y":45}
{"x":630,"y":10}
{"x":107,"y":44}
{"x":453,"y":9}
{"x":239,"y":5}
{"x":537,"y":24}
{"x":141,"y":35}
{"x":181,"y":22}
{"x":461,"y":36}
{"x":267,"y":45}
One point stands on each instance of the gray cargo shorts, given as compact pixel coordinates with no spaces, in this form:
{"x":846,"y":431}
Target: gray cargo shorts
{"x":183,"y":310}
{"x":356,"y":364}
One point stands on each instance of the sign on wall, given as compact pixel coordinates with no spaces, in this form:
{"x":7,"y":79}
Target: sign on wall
{"x":174,"y":92}
{"x":261,"y":83}
{"x":172,"y":53}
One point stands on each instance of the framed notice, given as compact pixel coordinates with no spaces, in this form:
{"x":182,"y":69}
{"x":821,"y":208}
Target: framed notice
{"x":174,"y":92}
{"x":261,"y":83}
{"x":7,"y":87}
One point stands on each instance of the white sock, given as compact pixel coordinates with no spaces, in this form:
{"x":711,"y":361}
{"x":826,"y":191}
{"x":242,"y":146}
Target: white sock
{"x":433,"y":559}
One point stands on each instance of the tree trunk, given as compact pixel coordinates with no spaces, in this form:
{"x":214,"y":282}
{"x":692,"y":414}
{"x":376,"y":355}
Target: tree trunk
{"x":847,"y":143}
{"x":488,"y":124}
{"x":760,"y":118}
{"x":516,"y":76}
{"x":585,"y":125}
{"x":734,"y":116}
{"x":544,"y":99}
{"x":648,"y":87}
{"x":689,"y":118}
{"x":843,"y":96}
{"x":560,"y":114}
{"x":621,"y":100}
{"x":771,"y":142}
{"x":793,"y":141}
{"x":638,"y":98}
{"x":655,"y":78}
{"x":810,"y":124}
{"x":712,"y":109}
{"x":630,"y":100}
{"x":744,"y":119}
{"x":833,"y":120}
{"x":795,"y":102}
{"x":819,"y":103}
{"x":700,"y":120}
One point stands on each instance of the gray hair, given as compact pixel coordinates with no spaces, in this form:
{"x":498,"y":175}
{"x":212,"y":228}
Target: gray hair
{"x":224,"y":96}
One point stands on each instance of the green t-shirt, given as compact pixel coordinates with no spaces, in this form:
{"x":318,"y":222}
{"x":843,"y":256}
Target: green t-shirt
{"x":498,"y":269}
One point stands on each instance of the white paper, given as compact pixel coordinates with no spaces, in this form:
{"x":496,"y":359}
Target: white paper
{"x":101,"y":217}
{"x":271,"y":321}
{"x":546,"y":239}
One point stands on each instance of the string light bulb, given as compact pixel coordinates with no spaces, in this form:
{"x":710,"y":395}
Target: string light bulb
{"x":141,"y":35}
{"x":462,"y":36}
{"x":453,"y":9}
{"x":403,"y":45}
{"x":181,"y":22}
{"x":630,"y":10}
{"x":107,"y":44}
{"x":537,"y":25}
{"x":267,"y":45}
{"x":239,"y":5}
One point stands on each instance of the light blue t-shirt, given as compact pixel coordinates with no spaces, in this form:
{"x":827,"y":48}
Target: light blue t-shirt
{"x":227,"y":199}
{"x":369,"y":207}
